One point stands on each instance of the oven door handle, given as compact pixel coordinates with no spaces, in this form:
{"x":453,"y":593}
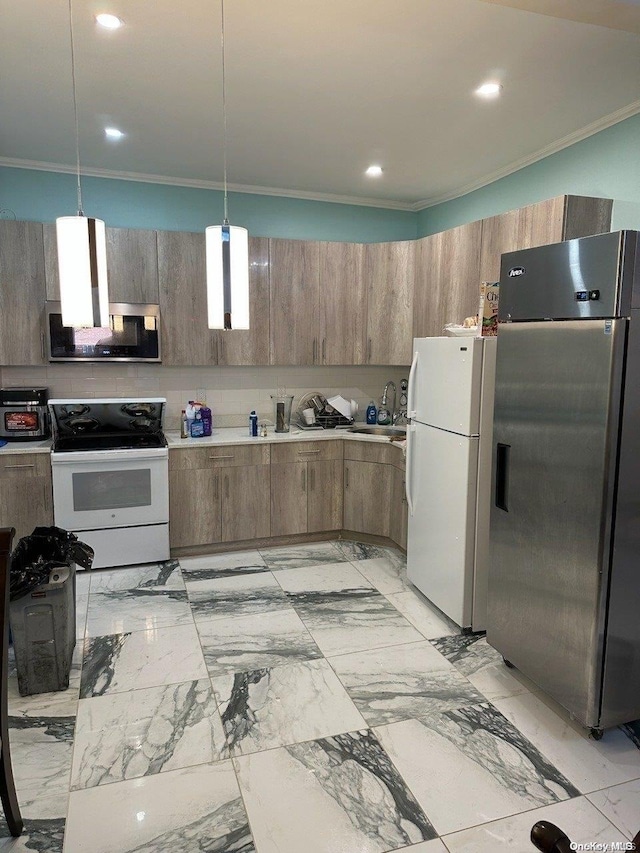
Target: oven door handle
{"x":108,"y":457}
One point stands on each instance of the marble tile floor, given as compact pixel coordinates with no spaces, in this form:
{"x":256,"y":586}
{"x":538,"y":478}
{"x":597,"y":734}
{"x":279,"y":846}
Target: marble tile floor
{"x":299,"y":700}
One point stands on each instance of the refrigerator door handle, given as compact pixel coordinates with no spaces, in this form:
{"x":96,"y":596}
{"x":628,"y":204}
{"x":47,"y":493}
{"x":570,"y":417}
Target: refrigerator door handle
{"x":407,"y":476}
{"x":502,"y":476}
{"x":411,"y":411}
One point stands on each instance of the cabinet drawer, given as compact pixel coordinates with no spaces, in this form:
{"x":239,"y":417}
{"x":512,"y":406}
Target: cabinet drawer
{"x":25,"y":465}
{"x":368,"y":451}
{"x":306,"y":451}
{"x":218,"y":456}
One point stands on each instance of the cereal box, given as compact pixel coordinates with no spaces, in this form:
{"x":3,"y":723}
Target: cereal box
{"x":488,"y":311}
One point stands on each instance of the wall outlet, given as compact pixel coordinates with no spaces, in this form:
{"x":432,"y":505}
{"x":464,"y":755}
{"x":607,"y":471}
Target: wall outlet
{"x":201,"y":395}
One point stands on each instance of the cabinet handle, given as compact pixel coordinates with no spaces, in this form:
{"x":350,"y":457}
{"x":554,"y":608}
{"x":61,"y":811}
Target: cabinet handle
{"x":6,"y":467}
{"x":221,"y":358}
{"x":312,"y":478}
{"x":300,"y":452}
{"x":226,"y":487}
{"x":368,"y":349}
{"x":216,"y":494}
{"x":304,"y":479}
{"x":315,"y":349}
{"x":222,"y":457}
{"x":324,"y":350}
{"x":42,"y":345}
{"x":346,"y":478}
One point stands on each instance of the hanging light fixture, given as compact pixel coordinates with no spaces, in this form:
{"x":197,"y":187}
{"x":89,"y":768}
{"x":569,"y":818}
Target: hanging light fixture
{"x":227,"y":248}
{"x":82,"y":249}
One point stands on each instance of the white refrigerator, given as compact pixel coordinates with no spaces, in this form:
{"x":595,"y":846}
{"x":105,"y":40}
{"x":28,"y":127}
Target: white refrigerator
{"x":448,"y":480}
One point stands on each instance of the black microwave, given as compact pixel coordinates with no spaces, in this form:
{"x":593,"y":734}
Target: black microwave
{"x":133,"y":334}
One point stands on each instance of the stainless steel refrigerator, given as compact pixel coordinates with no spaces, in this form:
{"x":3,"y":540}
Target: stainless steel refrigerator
{"x":564,"y":576}
{"x":450,"y":405}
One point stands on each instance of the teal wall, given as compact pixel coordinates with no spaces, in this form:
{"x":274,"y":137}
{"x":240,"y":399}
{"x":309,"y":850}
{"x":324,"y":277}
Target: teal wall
{"x":606,"y":164}
{"x":43,"y":196}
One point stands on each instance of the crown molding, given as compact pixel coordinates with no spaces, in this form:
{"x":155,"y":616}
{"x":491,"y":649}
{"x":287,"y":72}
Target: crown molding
{"x":566,"y":141}
{"x":89,"y":172}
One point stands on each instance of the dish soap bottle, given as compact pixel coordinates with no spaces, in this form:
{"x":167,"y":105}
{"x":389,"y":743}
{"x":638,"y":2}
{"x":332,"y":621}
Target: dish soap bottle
{"x":372,"y":413}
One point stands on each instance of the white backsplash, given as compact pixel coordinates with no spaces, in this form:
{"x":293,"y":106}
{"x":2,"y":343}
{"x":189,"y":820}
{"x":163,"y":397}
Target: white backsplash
{"x":231,"y":392}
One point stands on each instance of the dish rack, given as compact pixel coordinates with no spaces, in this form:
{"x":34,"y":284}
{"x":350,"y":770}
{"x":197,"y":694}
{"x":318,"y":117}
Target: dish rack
{"x":326,"y":416}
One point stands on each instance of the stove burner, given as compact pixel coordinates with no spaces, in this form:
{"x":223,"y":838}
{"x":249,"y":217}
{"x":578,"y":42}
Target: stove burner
{"x":73,"y":411}
{"x":81,"y":425}
{"x":139,"y":410}
{"x":142,"y":425}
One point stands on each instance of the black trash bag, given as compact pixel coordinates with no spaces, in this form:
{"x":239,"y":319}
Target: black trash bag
{"x":35,"y":556}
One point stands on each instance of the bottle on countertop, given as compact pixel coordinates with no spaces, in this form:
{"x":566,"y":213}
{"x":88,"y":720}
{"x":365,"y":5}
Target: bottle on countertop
{"x":372,"y":413}
{"x":184,"y":425}
{"x":207,"y":419}
{"x":253,"y":424}
{"x":384,"y":416}
{"x":197,"y":425}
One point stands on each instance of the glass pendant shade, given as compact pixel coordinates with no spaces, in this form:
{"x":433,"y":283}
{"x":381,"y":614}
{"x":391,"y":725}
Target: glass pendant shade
{"x":82,"y":267}
{"x":227,"y":248}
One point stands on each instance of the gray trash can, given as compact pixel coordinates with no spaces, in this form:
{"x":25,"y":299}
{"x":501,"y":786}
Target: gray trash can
{"x":43,"y":627}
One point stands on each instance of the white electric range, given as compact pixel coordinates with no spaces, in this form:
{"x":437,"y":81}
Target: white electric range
{"x":110,"y":467}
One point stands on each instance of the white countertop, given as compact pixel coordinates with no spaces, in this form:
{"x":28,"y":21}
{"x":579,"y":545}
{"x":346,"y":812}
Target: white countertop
{"x":12,"y":447}
{"x":229,"y":435}
{"x":238,"y":435}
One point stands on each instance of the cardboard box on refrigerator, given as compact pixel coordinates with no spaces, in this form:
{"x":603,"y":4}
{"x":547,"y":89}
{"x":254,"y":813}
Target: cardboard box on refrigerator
{"x":488,"y":310}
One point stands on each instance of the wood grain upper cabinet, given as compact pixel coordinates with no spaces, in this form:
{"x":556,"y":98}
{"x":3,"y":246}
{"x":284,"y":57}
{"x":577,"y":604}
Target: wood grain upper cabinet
{"x":132,"y":265}
{"x":447,"y":279}
{"x":388,"y":275}
{"x":22,"y":293}
{"x":294,"y":303}
{"x":342,"y":297}
{"x":550,"y":221}
{"x":251,"y":346}
{"x":185,"y":336}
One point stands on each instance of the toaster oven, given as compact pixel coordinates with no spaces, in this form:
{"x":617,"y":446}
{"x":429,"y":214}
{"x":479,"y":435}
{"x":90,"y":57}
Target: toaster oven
{"x":24,"y":415}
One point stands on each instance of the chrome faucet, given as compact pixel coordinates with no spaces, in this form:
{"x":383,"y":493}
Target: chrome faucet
{"x":384,"y":402}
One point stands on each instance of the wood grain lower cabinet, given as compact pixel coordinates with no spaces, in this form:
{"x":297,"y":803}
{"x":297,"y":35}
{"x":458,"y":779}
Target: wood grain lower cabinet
{"x":367,"y":496}
{"x":399,"y":515}
{"x":26,"y":496}
{"x":306,"y":487}
{"x":22,"y":293}
{"x":218,"y":494}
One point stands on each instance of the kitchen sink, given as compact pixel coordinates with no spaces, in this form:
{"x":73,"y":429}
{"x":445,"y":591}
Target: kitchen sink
{"x":380,"y":430}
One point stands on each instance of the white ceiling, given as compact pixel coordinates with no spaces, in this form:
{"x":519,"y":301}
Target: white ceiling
{"x":316,"y":90}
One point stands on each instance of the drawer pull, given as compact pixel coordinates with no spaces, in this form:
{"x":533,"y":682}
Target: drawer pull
{"x":222,"y":457}
{"x":6,"y":467}
{"x":300,"y":452}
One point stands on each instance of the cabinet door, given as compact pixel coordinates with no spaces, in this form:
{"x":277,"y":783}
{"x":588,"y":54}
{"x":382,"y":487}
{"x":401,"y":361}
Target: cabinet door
{"x":26,"y":499}
{"x":186,"y":339}
{"x":398,"y":518}
{"x":389,"y":274}
{"x":245,"y":503}
{"x":251,"y":346}
{"x":194,"y":507}
{"x":294,"y":306}
{"x":325,"y":495}
{"x":22,"y":293}
{"x":460,"y":271}
{"x":429,"y":297}
{"x":342,"y":297}
{"x":288,"y":498}
{"x":367,"y":495}
{"x":499,"y":234}
{"x":132,"y":265}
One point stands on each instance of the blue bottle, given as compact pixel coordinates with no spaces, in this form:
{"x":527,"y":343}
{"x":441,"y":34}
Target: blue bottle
{"x":253,"y":424}
{"x":372,"y":413}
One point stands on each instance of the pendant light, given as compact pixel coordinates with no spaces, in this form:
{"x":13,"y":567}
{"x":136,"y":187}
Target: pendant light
{"x":227,"y":248}
{"x":82,"y":249}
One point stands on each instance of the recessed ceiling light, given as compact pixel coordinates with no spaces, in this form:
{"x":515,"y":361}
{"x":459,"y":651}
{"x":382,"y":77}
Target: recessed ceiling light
{"x":113,"y":133}
{"x":110,"y":22}
{"x":489,"y":90}
{"x":374,"y":171}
